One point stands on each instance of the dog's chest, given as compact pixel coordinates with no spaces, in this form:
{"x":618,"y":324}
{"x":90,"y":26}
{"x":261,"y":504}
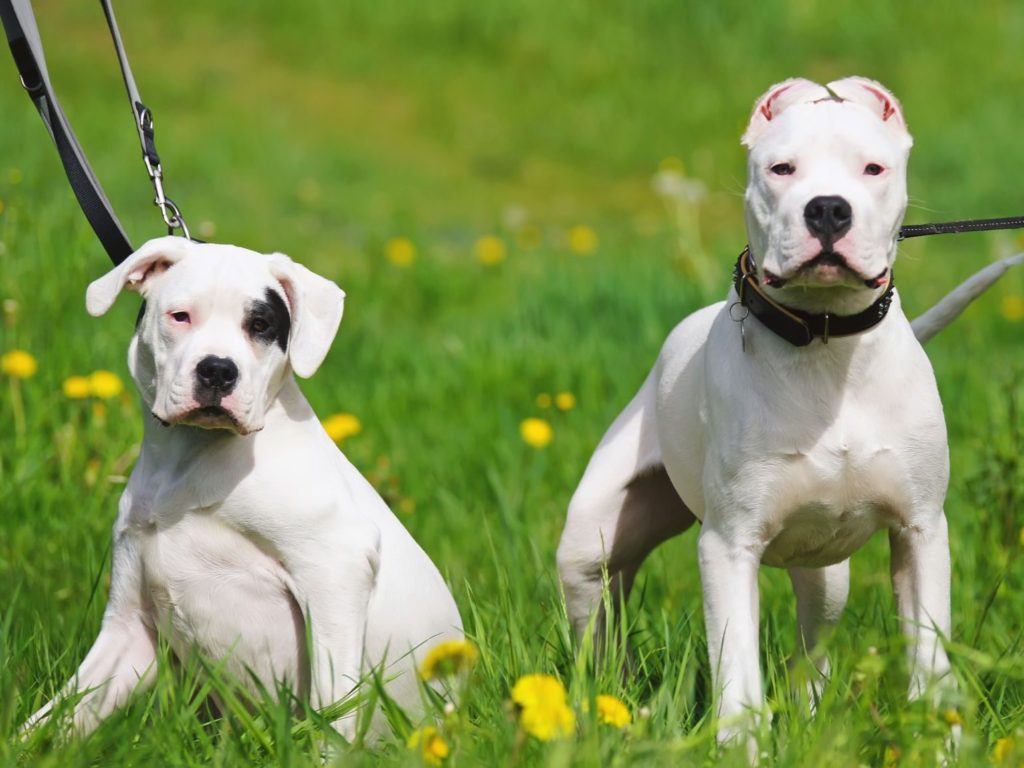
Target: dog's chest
{"x":823,"y":500}
{"x":815,"y":483}
{"x":212,"y":589}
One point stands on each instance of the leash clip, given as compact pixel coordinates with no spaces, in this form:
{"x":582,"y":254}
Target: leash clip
{"x":168,"y":210}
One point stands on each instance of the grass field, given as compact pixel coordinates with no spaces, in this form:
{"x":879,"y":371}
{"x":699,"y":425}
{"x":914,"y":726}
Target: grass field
{"x":329,"y":129}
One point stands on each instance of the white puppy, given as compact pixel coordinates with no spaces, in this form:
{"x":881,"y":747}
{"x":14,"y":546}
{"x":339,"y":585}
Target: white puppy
{"x":796,"y":420}
{"x":243,"y":527}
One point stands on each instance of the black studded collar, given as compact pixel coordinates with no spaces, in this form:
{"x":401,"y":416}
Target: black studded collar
{"x":797,"y":327}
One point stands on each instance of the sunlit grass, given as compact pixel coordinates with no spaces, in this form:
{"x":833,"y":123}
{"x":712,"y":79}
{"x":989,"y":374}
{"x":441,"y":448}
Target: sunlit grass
{"x":520,"y":201}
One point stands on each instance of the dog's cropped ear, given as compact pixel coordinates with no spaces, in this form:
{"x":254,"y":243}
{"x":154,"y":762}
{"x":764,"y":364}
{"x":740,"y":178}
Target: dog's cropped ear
{"x":776,"y":100}
{"x":135,"y":272}
{"x":874,"y":96}
{"x":316,"y":305}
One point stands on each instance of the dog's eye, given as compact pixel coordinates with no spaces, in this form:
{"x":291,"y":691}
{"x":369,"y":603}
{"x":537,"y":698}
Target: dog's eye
{"x":873,"y":169}
{"x":180,"y":317}
{"x":258,"y":325}
{"x":783,"y":169}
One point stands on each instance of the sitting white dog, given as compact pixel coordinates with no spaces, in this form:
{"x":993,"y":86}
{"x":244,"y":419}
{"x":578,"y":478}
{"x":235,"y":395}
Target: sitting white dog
{"x":797,"y":417}
{"x":243,"y":527}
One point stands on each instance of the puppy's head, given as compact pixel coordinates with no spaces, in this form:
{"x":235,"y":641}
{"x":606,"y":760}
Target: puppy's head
{"x":826,"y":191}
{"x":220,"y":328}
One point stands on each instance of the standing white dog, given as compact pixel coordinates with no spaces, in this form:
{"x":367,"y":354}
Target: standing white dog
{"x":242,"y":527}
{"x":795,"y":418}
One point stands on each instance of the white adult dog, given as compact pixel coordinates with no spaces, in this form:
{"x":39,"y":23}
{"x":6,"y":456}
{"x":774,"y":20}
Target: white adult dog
{"x":795,"y":420}
{"x":243,"y":527}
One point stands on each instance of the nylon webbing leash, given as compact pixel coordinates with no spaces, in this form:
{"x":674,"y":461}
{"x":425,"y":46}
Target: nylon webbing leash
{"x":956,"y":227}
{"x":27,"y":49}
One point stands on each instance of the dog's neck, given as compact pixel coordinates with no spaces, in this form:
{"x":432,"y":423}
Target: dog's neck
{"x":796,"y":325}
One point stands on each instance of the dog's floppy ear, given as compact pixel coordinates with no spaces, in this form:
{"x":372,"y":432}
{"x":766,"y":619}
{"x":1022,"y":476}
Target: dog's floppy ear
{"x":778,"y":98}
{"x":874,"y":96}
{"x":135,"y":272}
{"x":316,"y":305}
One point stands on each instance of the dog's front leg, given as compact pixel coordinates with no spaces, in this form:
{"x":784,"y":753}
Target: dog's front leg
{"x":920,"y":578}
{"x":728,"y":571}
{"x":333,"y":578}
{"x":121,"y":661}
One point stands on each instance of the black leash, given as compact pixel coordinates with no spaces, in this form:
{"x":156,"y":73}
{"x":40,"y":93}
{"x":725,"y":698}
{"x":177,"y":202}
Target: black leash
{"x":27,"y":49}
{"x":956,"y":227}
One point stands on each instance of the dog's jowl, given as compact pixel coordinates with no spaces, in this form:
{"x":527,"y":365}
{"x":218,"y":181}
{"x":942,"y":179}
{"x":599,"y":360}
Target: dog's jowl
{"x":244,"y":534}
{"x":795,"y":418}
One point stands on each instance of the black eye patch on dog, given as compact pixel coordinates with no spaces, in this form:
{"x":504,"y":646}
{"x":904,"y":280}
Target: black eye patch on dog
{"x":267,"y":321}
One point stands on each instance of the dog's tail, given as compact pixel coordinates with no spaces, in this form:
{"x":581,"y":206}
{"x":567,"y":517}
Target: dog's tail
{"x":953,"y":303}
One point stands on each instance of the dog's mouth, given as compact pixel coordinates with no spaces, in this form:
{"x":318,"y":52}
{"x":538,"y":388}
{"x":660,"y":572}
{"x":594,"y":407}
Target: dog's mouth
{"x":827,"y":268}
{"x":209,"y":417}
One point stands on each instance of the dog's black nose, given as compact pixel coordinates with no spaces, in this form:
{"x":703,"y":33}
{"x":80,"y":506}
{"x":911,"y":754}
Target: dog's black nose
{"x":828,"y":218}
{"x":218,"y":374}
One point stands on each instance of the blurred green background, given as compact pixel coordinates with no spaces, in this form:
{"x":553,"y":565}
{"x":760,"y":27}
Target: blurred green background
{"x":520,"y":199}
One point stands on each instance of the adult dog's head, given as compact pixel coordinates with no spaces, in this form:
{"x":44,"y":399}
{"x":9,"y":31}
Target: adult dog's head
{"x":826,"y":192}
{"x":220,"y":328}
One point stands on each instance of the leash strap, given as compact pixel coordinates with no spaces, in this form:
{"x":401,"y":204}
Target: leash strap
{"x":955,"y":227}
{"x":143,"y":118}
{"x":27,"y":49}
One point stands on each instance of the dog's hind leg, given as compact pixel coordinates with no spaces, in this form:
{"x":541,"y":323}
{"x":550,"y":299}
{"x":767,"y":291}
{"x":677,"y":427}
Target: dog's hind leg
{"x":624,"y":507}
{"x":821,"y":595}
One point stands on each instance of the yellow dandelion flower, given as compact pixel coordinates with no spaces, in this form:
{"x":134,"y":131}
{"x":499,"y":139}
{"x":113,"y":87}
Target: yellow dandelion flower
{"x":952,"y":717}
{"x":1003,"y":749}
{"x":76,"y":387}
{"x":544,"y":400}
{"x":565,"y":401}
{"x":105,"y":384}
{"x":548,"y":722}
{"x":543,"y":712}
{"x":18,"y":364}
{"x":341,"y":426}
{"x":536,"y":432}
{"x":430,"y":745}
{"x":611,"y":711}
{"x":449,"y":658}
{"x":400,"y":251}
{"x":1012,"y":308}
{"x":490,"y":250}
{"x":582,"y":240}
{"x":538,"y":690}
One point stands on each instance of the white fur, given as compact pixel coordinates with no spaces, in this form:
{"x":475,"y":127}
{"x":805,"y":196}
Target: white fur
{"x":230,"y":541}
{"x":790,"y":456}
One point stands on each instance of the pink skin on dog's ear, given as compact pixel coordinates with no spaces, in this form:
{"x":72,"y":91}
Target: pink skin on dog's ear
{"x":777,"y":99}
{"x":135,"y":272}
{"x":874,"y":96}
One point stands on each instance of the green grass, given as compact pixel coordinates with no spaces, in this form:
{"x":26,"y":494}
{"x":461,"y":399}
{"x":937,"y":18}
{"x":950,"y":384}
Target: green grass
{"x":324,"y":129}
